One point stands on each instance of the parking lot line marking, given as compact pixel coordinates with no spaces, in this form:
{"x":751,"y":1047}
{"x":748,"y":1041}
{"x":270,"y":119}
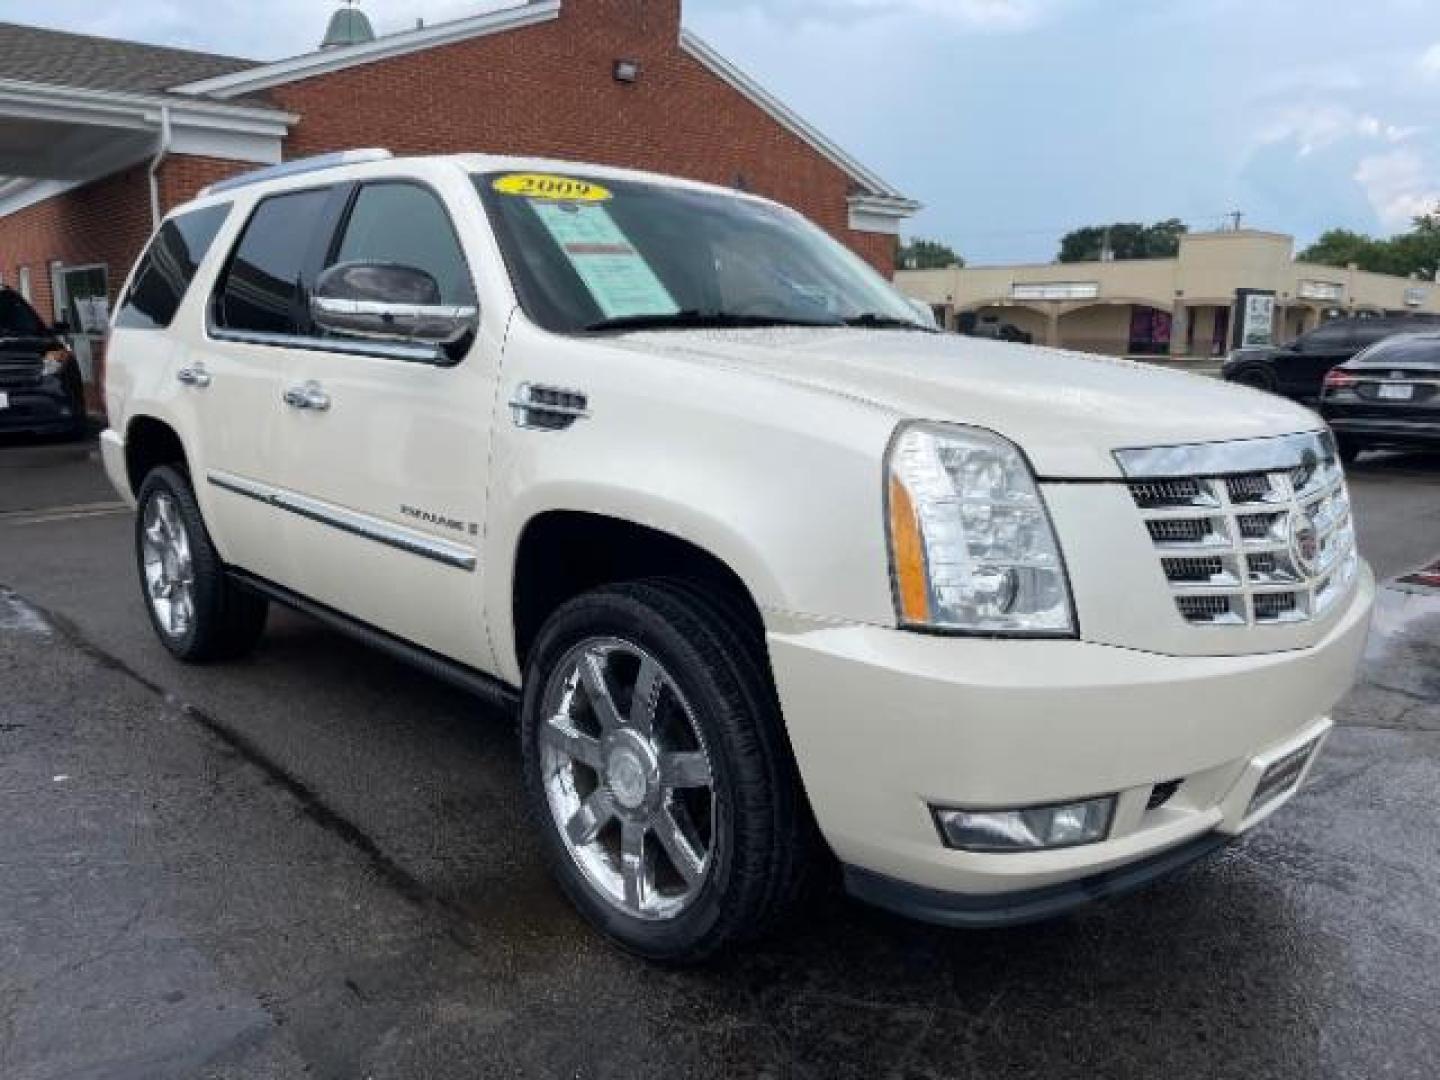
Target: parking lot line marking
{"x":62,"y":513}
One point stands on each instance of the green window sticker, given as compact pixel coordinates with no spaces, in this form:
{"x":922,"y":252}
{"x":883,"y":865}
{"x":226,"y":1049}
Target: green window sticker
{"x":621,"y":282}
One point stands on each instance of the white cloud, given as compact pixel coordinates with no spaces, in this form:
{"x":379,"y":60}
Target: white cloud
{"x":1398,"y":186}
{"x":1315,"y":127}
{"x":1430,"y":62}
{"x":980,"y":14}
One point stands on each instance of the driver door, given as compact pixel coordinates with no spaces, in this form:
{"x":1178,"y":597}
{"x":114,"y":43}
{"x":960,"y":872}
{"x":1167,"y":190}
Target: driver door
{"x":387,"y":454}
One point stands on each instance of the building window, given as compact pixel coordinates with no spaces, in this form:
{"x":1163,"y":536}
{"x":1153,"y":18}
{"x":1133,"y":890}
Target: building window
{"x":25,"y":285}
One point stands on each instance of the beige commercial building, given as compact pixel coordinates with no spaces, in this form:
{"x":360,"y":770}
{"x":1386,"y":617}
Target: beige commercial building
{"x":1187,"y":306}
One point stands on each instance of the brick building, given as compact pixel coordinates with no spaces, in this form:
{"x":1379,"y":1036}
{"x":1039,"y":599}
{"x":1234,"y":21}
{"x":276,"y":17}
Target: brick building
{"x":98,"y":138}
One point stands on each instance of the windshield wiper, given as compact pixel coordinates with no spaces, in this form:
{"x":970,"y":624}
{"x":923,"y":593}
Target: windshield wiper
{"x":873,"y":320}
{"x":693,"y":319}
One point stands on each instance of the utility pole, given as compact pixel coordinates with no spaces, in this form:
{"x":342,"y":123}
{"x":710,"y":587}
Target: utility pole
{"x":1236,"y":217}
{"x":1106,"y":255}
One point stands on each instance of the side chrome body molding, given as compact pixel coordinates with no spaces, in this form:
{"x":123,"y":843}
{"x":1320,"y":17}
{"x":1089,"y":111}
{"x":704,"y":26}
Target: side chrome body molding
{"x":382,"y":532}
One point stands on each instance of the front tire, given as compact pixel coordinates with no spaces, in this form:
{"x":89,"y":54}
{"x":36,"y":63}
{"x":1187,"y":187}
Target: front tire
{"x":198,"y":613}
{"x":1350,"y":450}
{"x":657,"y":770}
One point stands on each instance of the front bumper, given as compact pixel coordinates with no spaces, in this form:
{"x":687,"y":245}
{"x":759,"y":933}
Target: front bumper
{"x":886,"y":725}
{"x":51,"y":406}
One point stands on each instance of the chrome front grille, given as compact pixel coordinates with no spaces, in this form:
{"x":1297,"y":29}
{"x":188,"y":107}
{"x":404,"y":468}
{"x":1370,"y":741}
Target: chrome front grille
{"x":1269,"y":541}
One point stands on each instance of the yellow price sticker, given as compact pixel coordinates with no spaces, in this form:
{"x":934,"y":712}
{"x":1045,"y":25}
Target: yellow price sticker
{"x":557,"y":188}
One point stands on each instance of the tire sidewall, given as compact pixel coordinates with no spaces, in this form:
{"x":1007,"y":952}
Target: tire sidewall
{"x":168,"y":481}
{"x":610,"y":615}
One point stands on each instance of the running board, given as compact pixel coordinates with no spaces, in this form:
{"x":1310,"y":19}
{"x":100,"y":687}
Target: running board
{"x":483,"y":686}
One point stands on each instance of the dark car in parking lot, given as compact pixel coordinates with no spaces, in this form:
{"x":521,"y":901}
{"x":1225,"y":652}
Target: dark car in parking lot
{"x":41,"y":391}
{"x":1389,"y":396}
{"x":1297,"y":370}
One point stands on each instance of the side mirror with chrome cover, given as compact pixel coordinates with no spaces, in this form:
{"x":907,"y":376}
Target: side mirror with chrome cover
{"x":389,"y":302}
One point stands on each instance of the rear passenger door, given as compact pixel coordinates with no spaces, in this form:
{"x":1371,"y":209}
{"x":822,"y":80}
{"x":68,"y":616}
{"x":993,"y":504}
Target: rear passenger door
{"x":236,"y":371}
{"x":389,"y":455}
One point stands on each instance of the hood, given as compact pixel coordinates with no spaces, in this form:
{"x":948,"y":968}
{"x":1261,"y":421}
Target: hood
{"x":1067,"y":411}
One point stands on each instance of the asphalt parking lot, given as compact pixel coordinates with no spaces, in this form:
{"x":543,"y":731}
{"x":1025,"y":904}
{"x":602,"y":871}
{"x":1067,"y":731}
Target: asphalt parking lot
{"x":314,"y":863}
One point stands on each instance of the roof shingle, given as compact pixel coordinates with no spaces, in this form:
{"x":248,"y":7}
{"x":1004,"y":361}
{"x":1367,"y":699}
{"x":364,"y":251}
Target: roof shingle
{"x":56,"y":58}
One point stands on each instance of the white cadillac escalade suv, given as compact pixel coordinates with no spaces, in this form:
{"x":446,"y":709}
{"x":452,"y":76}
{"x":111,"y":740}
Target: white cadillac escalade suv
{"x":772,"y":572}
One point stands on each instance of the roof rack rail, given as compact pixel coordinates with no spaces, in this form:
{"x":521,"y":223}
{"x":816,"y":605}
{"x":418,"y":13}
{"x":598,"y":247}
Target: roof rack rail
{"x":296,"y":168}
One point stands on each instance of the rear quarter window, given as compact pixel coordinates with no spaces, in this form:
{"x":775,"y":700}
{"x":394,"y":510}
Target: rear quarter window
{"x":168,"y":267}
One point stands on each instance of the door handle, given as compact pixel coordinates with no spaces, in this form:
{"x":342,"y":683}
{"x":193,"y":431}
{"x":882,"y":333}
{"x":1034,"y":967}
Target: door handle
{"x":194,"y":376}
{"x":310,"y":395}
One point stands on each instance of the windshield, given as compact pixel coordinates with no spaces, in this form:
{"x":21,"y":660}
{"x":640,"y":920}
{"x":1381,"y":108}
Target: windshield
{"x":17,"y":318}
{"x":591,"y":254}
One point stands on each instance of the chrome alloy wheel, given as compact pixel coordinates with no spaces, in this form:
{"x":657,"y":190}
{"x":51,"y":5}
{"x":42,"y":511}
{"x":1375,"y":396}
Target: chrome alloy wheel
{"x":627,"y":778}
{"x":169,"y":570}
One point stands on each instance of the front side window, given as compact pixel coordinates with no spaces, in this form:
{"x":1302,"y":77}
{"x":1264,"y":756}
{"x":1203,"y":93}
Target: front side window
{"x":168,"y":267}
{"x":593,"y":254}
{"x":406,"y":225}
{"x":262,"y":291}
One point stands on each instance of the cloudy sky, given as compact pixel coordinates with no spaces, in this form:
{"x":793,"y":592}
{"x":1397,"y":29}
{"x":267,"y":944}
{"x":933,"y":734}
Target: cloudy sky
{"x":1015,"y":120}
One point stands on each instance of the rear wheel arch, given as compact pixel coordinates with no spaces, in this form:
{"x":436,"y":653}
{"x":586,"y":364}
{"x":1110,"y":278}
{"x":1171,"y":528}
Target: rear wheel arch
{"x":149,"y":444}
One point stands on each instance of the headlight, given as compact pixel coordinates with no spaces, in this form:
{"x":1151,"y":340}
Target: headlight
{"x":53,"y":362}
{"x":971,"y":545}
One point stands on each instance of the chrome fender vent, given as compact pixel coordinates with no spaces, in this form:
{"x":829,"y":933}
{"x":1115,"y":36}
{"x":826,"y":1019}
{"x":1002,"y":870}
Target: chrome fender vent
{"x":547,"y":408}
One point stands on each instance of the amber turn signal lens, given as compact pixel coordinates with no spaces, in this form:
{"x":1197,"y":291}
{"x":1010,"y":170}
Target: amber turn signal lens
{"x":911,"y":583}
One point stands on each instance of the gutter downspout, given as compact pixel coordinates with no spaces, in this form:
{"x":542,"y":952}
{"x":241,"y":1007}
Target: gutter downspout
{"x":161,"y":153}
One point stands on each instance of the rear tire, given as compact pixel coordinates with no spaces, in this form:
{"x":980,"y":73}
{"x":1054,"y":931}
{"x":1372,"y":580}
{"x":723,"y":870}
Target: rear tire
{"x":597,"y":775}
{"x":197,"y":611}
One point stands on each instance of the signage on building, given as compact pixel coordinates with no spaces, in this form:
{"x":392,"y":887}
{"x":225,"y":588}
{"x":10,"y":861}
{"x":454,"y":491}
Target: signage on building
{"x":1320,"y":290}
{"x":1415,"y":296}
{"x":1254,"y":317}
{"x":1055,"y":290}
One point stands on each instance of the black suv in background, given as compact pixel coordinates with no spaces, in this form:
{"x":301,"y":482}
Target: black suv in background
{"x":41,"y":391}
{"x":1389,"y":395}
{"x":1298,"y":370}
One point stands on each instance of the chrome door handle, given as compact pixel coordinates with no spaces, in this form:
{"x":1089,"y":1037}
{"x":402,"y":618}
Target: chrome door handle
{"x":194,"y":376}
{"x":311,"y":395}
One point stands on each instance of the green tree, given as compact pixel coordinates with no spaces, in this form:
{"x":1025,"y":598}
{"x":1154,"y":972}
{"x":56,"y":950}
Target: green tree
{"x":1413,"y":252}
{"x":1126,"y":240}
{"x":1341,"y":247}
{"x":926,"y":255}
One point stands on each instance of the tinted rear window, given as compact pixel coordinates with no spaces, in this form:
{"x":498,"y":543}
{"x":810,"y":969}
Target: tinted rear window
{"x":168,"y":267}
{"x":1403,"y":351}
{"x":17,"y":318}
{"x":262,"y":290}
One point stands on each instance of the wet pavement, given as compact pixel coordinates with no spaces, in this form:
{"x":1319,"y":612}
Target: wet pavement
{"x":314,"y":863}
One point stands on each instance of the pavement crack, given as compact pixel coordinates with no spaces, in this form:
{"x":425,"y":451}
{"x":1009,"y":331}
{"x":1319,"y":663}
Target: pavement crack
{"x":312,"y":804}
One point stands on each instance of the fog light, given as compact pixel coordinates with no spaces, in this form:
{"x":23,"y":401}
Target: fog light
{"x":1034,"y":828}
